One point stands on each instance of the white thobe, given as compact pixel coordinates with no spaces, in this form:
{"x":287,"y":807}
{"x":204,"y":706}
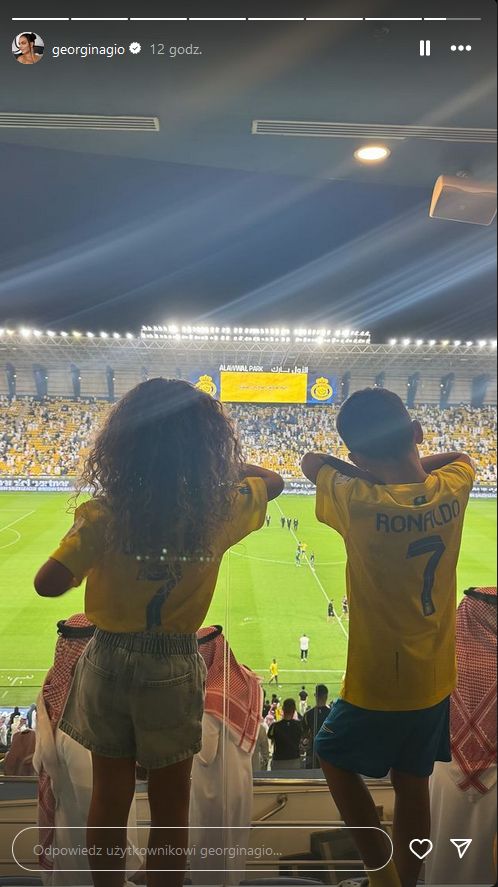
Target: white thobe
{"x":220,"y":806}
{"x":461,"y":814}
{"x":69,"y":766}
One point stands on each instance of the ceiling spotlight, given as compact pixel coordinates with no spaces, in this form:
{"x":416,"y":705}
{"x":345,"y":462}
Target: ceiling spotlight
{"x":50,"y":333}
{"x":482,"y":343}
{"x":76,"y":334}
{"x":63,"y":334}
{"x":469,"y":344}
{"x":104,"y":335}
{"x":393,"y":341}
{"x":372,"y":153}
{"x":419,"y":342}
{"x":457,"y":343}
{"x":129,"y":335}
{"x":432,"y":342}
{"x":406,"y":341}
{"x":116,"y":336}
{"x":90,"y":335}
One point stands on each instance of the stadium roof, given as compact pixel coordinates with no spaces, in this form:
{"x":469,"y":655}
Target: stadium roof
{"x":204,"y":217}
{"x":170,"y":354}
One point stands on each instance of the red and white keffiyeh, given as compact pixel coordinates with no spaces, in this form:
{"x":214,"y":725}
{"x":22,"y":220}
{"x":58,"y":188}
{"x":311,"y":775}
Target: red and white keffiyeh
{"x":233,"y":692}
{"x":54,"y":694}
{"x":473,"y":703}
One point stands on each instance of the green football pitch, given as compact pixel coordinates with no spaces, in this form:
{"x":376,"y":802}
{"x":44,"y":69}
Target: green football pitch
{"x":263,"y":600}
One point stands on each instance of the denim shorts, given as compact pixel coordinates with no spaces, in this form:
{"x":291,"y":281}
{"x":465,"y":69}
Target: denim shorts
{"x":374,"y":742}
{"x":138,"y":695}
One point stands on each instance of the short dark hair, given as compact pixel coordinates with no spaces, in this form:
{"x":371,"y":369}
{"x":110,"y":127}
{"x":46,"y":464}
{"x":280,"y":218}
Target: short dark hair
{"x":374,"y":422}
{"x":289,"y":706}
{"x":321,"y":690}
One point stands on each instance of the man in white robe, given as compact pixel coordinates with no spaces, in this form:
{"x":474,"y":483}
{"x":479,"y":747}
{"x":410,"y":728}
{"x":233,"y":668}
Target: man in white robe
{"x":463,"y":792}
{"x":65,"y":773}
{"x":221,"y":794}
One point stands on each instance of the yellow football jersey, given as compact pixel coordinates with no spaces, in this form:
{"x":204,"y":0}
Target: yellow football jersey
{"x":402,"y":543}
{"x":124,"y":594}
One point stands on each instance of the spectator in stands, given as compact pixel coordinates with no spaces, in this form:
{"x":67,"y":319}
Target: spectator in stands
{"x":270,"y":716}
{"x":303,"y":700}
{"x":313,"y":721}
{"x":463,"y":792}
{"x":3,"y":730}
{"x":392,"y":690}
{"x":261,"y":754}
{"x":19,"y":758}
{"x":221,"y":793}
{"x":31,"y":716}
{"x":286,"y":736}
{"x":53,"y":437}
{"x":64,"y":770}
{"x":15,"y":714}
{"x":171,"y":495}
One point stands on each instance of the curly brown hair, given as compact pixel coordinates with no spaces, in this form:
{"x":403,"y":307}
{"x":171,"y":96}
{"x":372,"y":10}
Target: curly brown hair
{"x":165,"y":462}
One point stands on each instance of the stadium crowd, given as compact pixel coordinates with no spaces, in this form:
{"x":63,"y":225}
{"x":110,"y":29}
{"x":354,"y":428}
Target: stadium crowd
{"x":51,"y":437}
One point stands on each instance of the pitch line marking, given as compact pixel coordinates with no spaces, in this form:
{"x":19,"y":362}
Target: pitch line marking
{"x":305,"y":670}
{"x":14,"y":541}
{"x":6,"y":671}
{"x":270,"y":560}
{"x":7,"y":526}
{"x":314,"y":573}
{"x":17,"y":534}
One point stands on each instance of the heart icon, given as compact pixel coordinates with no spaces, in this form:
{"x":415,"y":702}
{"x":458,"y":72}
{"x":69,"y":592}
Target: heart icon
{"x":421,"y":848}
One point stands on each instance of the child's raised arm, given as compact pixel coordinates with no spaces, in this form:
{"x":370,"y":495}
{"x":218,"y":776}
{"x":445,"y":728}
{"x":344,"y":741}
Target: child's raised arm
{"x":53,"y":579}
{"x":439,"y":460}
{"x":274,"y":483}
{"x":311,"y":464}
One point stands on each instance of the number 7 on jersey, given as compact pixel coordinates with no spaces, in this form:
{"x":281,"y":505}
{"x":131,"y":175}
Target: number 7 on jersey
{"x":435,"y":545}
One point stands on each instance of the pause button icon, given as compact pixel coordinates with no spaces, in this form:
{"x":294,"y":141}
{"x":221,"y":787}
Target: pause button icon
{"x":425,"y":47}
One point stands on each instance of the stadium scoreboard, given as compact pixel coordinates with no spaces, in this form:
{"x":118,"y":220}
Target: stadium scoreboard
{"x":258,"y":386}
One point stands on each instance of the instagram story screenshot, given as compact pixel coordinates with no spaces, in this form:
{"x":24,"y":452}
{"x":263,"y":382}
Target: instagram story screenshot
{"x":248,"y":475}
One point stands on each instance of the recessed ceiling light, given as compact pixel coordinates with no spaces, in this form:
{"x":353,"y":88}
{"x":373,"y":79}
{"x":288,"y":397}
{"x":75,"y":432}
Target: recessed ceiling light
{"x":372,"y":153}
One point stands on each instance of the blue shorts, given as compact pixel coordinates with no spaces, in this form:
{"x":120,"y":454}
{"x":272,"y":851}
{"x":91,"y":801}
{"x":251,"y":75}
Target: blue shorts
{"x":374,"y":742}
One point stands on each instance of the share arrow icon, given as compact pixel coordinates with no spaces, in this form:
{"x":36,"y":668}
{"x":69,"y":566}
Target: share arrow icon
{"x":462,"y":845}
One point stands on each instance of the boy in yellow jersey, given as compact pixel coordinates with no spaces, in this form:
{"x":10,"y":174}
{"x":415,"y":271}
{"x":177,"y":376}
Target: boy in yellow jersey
{"x":401,"y":518}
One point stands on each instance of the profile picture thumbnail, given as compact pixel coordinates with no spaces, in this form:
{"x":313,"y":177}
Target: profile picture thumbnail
{"x":27,"y":48}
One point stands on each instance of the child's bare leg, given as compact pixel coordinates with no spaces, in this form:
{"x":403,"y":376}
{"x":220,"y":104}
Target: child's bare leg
{"x":113,"y":790}
{"x":357,"y":808}
{"x":169,"y":797}
{"x":412,"y":819}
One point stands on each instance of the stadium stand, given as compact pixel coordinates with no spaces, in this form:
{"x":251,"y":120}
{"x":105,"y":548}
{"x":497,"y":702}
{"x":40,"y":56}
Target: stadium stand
{"x":52,"y":436}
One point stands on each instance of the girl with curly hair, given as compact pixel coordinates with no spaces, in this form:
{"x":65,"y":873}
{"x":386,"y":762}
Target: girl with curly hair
{"x":170,"y":494}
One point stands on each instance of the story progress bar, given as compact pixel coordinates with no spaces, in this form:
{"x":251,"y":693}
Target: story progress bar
{"x":38,"y":18}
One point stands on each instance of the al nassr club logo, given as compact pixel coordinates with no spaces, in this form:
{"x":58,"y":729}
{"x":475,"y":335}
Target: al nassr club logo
{"x":206,"y":384}
{"x":322,"y":389}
